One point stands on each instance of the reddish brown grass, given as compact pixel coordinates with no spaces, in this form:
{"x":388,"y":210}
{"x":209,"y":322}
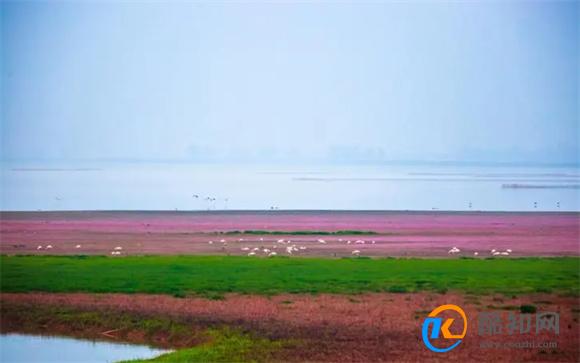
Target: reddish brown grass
{"x":363,"y":328}
{"x":404,"y":233}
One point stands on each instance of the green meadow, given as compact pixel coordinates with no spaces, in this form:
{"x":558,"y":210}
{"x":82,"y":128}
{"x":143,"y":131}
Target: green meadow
{"x":214,"y":276}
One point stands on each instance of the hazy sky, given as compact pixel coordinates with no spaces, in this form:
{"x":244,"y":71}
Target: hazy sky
{"x":473,"y":81}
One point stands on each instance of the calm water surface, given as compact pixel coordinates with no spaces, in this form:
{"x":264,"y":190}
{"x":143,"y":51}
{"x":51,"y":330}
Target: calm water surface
{"x":135,"y":186}
{"x":32,"y":348}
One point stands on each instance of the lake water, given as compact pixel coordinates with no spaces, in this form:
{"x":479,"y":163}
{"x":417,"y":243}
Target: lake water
{"x":137,"y":186}
{"x":32,"y":348}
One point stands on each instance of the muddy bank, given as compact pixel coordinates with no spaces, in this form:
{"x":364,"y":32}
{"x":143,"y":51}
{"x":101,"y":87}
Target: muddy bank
{"x":398,"y":233}
{"x":369,"y":327}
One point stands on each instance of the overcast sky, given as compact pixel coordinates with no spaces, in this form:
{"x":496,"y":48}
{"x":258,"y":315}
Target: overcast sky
{"x":472,"y":81}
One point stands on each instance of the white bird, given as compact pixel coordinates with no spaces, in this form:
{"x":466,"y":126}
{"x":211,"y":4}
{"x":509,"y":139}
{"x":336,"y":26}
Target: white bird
{"x":493,"y":251}
{"x":210,"y":242}
{"x":241,"y":240}
{"x":504,"y":253}
{"x":118,"y":248}
{"x":39,"y":247}
{"x":266,"y":250}
{"x":508,"y":250}
{"x":78,"y":246}
{"x":252,"y":254}
{"x":355,"y":252}
{"x":454,"y":250}
{"x":49,"y":247}
{"x":322,"y":241}
{"x":245,"y":248}
{"x":340,"y":240}
{"x":359,"y":242}
{"x":261,"y":238}
{"x":347,"y":242}
{"x":373,"y":242}
{"x":222,"y":240}
{"x":475,"y":253}
{"x":496,"y":253}
{"x":289,"y":250}
{"x":272,"y":254}
{"x":280,"y":241}
{"x":302,"y":248}
{"x":255,"y":249}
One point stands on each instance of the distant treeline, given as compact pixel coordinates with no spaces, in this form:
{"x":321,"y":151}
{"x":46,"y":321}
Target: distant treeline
{"x":305,"y":233}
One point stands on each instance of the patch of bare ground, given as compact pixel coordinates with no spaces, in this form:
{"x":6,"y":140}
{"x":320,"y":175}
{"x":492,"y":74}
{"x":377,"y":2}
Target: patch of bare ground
{"x":337,"y":328}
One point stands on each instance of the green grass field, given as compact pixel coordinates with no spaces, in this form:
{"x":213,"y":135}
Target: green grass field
{"x":213,"y":276}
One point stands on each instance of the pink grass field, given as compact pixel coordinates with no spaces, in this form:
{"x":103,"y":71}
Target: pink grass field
{"x":418,"y":234}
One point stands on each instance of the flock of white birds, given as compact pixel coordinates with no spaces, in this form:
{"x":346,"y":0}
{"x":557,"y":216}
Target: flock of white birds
{"x":290,"y":248}
{"x":493,"y":252}
{"x":117,"y":251}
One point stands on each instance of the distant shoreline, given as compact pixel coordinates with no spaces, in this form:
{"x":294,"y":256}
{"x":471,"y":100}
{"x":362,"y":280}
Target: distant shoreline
{"x":284,"y":211}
